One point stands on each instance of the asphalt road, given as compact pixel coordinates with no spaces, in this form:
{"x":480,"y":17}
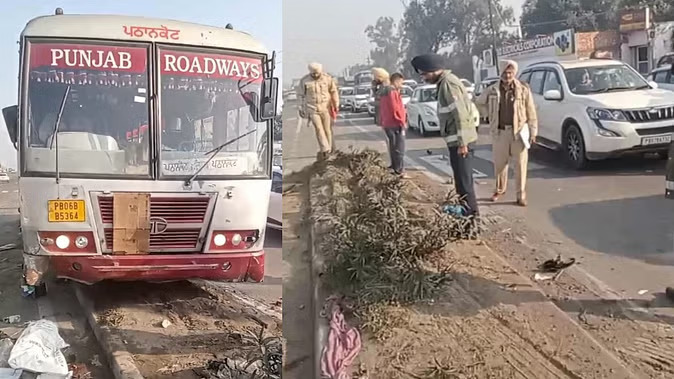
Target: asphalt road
{"x":613,"y":217}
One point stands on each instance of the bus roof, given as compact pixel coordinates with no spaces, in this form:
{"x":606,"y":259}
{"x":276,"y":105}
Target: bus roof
{"x":133,"y":28}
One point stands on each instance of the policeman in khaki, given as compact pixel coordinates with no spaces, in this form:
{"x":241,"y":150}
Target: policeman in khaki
{"x":513,"y":127}
{"x":318,"y":96}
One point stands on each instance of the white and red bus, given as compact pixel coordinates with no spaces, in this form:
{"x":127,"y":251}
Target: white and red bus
{"x":144,"y":149}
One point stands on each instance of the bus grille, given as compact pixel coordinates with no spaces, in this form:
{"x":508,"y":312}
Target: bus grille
{"x":171,"y":239}
{"x":175,"y":210}
{"x":186,"y":218}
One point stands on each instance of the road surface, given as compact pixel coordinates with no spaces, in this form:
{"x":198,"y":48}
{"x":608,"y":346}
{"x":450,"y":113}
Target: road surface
{"x":613,"y":217}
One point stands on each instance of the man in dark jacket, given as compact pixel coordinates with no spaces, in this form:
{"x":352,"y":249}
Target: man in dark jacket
{"x":457,"y":126}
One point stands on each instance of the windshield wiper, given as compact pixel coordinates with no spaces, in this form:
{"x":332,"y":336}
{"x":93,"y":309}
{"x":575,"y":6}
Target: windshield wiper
{"x":621,"y":88}
{"x":215,"y":152}
{"x":55,"y":137}
{"x":598,"y":90}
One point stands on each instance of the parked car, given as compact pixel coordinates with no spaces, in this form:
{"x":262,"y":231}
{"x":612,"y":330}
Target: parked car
{"x":290,"y":96}
{"x":663,"y":76}
{"x":361,"y":99}
{"x":422,"y":108}
{"x":410,"y":83}
{"x":275,"y":214}
{"x":470,"y":87}
{"x":596,"y":109}
{"x":346,"y":97}
{"x":667,"y":59}
{"x":406,"y":94}
{"x":484,"y":84}
{"x":4,"y":177}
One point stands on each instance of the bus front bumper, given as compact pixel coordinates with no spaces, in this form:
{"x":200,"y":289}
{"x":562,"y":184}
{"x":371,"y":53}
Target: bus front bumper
{"x":235,"y":267}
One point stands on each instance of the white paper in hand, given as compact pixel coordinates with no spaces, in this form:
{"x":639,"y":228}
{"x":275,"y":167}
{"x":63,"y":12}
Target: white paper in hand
{"x":524,"y":134}
{"x":38,"y":349}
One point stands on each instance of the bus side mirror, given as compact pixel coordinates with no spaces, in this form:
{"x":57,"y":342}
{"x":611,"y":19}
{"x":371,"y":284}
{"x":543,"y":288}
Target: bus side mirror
{"x":11,"y":115}
{"x":268,"y":99}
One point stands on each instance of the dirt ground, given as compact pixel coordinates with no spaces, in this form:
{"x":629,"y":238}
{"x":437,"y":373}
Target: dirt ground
{"x":173,"y":329}
{"x":60,"y":306}
{"x":641,"y":341}
{"x":495,"y":321}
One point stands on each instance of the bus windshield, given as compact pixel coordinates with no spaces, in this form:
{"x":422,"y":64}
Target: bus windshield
{"x":203,"y":106}
{"x":106,"y":128}
{"x":107,"y":99}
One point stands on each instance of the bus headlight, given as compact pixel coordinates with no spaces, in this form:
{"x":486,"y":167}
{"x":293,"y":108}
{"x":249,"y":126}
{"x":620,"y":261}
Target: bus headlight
{"x":62,"y":242}
{"x":219,"y":240}
{"x":81,"y":242}
{"x":236,"y":239}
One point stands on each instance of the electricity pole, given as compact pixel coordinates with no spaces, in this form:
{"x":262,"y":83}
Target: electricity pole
{"x":493,"y":39}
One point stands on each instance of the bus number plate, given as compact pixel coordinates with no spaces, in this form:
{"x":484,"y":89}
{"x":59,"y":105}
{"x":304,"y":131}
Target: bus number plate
{"x":66,"y":211}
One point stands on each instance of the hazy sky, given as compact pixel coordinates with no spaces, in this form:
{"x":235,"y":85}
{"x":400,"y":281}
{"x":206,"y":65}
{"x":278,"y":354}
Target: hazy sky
{"x":261,"y":18}
{"x":333,"y":32}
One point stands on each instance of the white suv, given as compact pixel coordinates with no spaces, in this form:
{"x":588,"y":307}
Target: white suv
{"x":596,"y":109}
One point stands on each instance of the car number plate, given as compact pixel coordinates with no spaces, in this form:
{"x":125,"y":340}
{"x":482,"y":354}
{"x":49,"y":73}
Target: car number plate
{"x":66,"y":211}
{"x":657,"y":140}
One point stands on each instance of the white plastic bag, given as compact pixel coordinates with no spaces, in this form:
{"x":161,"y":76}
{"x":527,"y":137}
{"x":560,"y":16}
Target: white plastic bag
{"x":5,"y":349}
{"x":38,"y":349}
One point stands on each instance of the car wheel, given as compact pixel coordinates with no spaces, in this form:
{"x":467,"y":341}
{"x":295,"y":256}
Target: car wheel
{"x":422,"y":128}
{"x":574,"y":148}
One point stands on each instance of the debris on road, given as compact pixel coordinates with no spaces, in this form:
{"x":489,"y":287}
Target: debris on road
{"x":542,"y":277}
{"x":6,"y":345}
{"x":8,"y":246}
{"x":14,"y":319}
{"x":557,"y":264}
{"x":343,"y":346}
{"x":38,"y":349}
{"x":165,"y":324}
{"x":642,"y":292}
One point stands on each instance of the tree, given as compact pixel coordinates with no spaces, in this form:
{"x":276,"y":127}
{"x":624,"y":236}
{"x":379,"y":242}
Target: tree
{"x":387,"y":46}
{"x":549,"y":16}
{"x":462,"y":25}
{"x":662,"y":9}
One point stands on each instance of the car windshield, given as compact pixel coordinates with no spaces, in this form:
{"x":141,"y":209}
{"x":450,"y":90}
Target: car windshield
{"x":406,"y":92}
{"x":429,"y":95}
{"x":204,"y":104}
{"x":598,"y":79}
{"x":347,"y":92}
{"x":104,"y":124}
{"x":362,"y":79}
{"x":363,"y":91}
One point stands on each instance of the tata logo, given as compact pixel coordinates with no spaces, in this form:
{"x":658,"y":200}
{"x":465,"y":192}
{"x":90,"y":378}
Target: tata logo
{"x":158,"y":225}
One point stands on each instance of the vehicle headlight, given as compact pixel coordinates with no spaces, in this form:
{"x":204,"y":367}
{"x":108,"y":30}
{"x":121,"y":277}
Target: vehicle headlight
{"x":62,"y":242}
{"x":606,"y":114}
{"x":219,"y":240}
{"x":429,"y":112}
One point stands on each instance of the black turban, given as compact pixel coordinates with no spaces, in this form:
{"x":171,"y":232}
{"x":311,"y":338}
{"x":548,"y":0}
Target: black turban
{"x":428,"y":63}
